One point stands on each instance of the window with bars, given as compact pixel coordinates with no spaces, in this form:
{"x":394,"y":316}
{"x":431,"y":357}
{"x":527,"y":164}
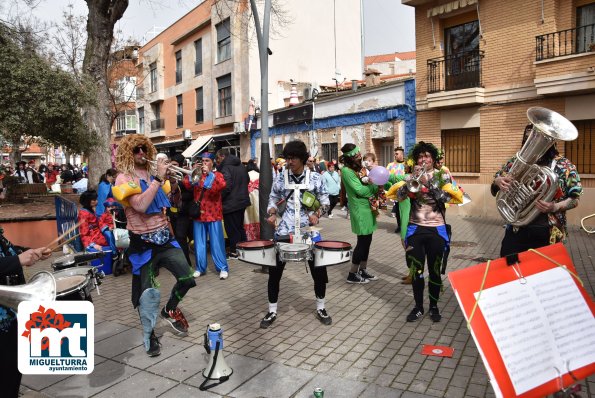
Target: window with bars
{"x":224,"y":95}
{"x":223,"y":41}
{"x":461,"y":150}
{"x":581,"y":152}
{"x":179,"y":111}
{"x":179,"y":66}
{"x":199,"y":105}
{"x":153,"y":74}
{"x":330,"y":151}
{"x":198,"y":58}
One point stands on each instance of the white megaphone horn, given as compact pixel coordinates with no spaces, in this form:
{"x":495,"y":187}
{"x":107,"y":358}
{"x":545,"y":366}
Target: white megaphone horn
{"x":217,"y":369}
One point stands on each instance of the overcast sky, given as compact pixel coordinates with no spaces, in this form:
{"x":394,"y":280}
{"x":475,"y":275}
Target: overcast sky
{"x":389,"y":25}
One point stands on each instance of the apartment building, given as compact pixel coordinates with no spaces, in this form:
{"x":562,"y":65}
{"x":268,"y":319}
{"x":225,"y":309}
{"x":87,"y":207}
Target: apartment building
{"x":197,"y":77}
{"x":482,"y":64}
{"x":394,"y":64}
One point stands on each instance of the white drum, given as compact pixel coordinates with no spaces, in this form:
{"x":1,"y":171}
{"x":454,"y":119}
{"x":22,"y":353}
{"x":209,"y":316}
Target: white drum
{"x":293,"y":251}
{"x":331,"y":252}
{"x":259,"y":252}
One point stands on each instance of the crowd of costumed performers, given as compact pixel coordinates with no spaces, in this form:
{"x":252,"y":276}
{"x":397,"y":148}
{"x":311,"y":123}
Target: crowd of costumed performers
{"x":426,"y":238}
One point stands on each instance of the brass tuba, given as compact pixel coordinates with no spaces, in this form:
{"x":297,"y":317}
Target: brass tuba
{"x":41,"y":287}
{"x":530,"y":181}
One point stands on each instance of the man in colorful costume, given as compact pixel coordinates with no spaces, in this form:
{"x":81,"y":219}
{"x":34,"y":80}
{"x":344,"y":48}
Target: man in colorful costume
{"x":152,"y":246}
{"x":428,"y":236}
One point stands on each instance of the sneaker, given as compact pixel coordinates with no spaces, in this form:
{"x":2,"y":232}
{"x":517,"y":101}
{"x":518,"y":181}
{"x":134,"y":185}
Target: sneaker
{"x":330,"y":216}
{"x":407,"y":280}
{"x":154,"y":346}
{"x":268,"y":320}
{"x":415,"y":314}
{"x":177,"y":320}
{"x":196,"y":274}
{"x":344,"y":208}
{"x":233,"y":255}
{"x":223,"y":275}
{"x":364,"y":273}
{"x":323,"y":317}
{"x":435,"y":314}
{"x":356,"y":278}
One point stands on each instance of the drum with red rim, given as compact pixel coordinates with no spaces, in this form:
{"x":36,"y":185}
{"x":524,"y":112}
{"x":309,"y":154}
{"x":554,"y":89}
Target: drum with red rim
{"x":331,"y":252}
{"x":259,"y":252}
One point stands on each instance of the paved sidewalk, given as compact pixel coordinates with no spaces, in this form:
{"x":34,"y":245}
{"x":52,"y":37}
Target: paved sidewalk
{"x":368,"y":351}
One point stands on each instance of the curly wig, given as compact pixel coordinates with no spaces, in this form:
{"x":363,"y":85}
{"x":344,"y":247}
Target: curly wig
{"x":422,"y":147}
{"x":125,"y":157}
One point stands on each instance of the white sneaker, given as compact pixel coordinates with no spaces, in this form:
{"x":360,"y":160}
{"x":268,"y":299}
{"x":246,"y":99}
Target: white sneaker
{"x":223,"y":275}
{"x":196,"y":274}
{"x":330,"y":216}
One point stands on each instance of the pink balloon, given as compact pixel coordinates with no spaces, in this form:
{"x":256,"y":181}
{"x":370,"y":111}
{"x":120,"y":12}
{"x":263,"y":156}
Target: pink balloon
{"x":378,"y":175}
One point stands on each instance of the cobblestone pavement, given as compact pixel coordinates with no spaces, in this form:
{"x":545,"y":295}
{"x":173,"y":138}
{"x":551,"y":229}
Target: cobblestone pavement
{"x":368,"y":351}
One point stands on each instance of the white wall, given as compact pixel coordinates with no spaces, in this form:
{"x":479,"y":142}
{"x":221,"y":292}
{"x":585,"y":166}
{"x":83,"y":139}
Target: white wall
{"x":305,"y":50}
{"x":362,"y":101}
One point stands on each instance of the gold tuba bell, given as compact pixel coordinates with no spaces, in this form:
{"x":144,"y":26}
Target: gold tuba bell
{"x":530,"y":181}
{"x":41,"y":287}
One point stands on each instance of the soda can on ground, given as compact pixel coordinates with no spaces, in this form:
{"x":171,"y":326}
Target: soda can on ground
{"x":318,"y":393}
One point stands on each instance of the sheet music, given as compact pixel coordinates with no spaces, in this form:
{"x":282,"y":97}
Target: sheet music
{"x":540,"y":326}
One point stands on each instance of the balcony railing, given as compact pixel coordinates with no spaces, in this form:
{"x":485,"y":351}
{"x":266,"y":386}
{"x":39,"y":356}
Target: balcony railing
{"x":455,"y":72}
{"x":157,"y":124}
{"x":565,"y":42}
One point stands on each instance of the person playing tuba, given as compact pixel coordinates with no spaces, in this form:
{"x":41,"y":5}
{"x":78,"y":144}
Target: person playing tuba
{"x":549,"y":226}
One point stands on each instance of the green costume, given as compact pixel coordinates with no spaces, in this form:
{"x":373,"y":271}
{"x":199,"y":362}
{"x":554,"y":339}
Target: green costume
{"x":363,"y":222}
{"x":404,"y":205}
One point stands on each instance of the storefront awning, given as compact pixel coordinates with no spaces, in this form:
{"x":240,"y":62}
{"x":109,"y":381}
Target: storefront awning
{"x":199,"y":145}
{"x":449,"y":7}
{"x":166,"y":144}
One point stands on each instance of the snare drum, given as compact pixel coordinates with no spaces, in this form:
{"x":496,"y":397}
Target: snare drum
{"x":74,"y":283}
{"x":331,"y":252}
{"x":259,"y":252}
{"x":293,"y":251}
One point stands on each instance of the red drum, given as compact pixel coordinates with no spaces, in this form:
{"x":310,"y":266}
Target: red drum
{"x":259,"y":252}
{"x":331,"y":252}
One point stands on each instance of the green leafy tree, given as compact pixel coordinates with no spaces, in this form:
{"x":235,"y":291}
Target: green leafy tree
{"x":39,"y":101}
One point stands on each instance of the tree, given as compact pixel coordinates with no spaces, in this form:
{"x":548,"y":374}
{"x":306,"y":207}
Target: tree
{"x":38,"y":101}
{"x":103,"y":15}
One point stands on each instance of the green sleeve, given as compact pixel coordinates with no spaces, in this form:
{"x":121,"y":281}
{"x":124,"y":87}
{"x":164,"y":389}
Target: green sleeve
{"x":392,"y":180}
{"x":361,"y":190}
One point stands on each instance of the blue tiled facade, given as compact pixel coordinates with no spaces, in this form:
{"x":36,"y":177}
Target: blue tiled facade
{"x":405,"y":112}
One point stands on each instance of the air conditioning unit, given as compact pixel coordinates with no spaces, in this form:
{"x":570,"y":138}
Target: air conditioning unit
{"x":307,"y":93}
{"x":187,"y":134}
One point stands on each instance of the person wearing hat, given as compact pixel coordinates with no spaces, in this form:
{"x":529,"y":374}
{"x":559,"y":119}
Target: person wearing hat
{"x":207,"y":222}
{"x":152,"y":246}
{"x":20,"y":172}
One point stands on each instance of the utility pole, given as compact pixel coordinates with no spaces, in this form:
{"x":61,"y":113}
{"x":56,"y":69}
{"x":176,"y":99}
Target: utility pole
{"x":266,"y":173}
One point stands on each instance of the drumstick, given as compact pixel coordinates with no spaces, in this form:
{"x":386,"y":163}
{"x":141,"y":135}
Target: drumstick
{"x":62,"y":244}
{"x":64,"y":234}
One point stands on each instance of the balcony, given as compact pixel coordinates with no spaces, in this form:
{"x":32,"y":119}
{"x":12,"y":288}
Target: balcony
{"x":455,"y":79}
{"x":157,"y":124}
{"x":565,"y":42}
{"x":564,"y":61}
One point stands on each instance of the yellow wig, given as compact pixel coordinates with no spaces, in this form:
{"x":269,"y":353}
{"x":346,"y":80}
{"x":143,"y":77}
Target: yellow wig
{"x":125,"y":157}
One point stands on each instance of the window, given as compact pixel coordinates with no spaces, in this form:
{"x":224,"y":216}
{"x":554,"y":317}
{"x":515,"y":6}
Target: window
{"x":585,"y":33}
{"x":581,"y":151}
{"x":461,"y":150}
{"x":178,"y":66}
{"x":126,"y":89}
{"x":141,"y":120}
{"x":462,"y":59}
{"x":278,"y":150}
{"x":199,"y":106}
{"x":223,"y":41}
{"x":224,"y":95}
{"x":179,"y":112}
{"x":126,"y":122}
{"x":158,"y":123}
{"x":330,"y":151}
{"x":153,"y":74}
{"x":198,"y":59}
